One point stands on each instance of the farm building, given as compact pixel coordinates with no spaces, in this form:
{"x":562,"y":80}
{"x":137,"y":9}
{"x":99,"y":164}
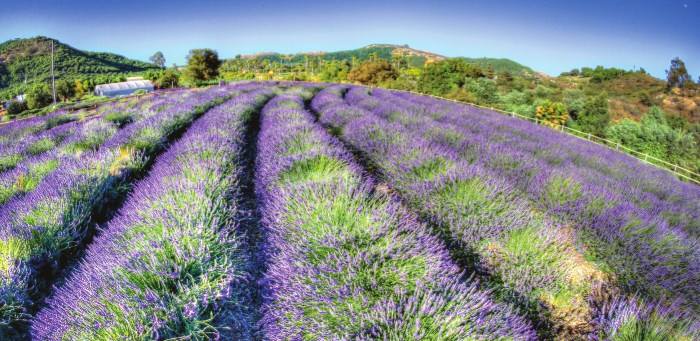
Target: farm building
{"x":123,"y":88}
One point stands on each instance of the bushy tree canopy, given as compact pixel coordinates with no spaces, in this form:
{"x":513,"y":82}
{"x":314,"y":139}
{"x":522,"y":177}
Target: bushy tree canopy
{"x":170,"y":78}
{"x":202,"y":65}
{"x":158,"y":59}
{"x":551,"y":113}
{"x":64,"y":90}
{"x":373,"y":72}
{"x":593,"y":116}
{"x":445,"y":76}
{"x":654,"y":136}
{"x":38,"y":96}
{"x":16,"y":107}
{"x":677,"y":75}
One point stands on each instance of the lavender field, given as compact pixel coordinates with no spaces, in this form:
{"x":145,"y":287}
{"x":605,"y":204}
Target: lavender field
{"x":315,"y":211}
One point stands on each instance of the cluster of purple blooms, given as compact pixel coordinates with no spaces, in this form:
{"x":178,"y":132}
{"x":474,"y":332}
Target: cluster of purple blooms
{"x":14,"y":132}
{"x":645,"y":253}
{"x":346,"y":261}
{"x":30,"y":159}
{"x":565,"y":239}
{"x":639,"y":220}
{"x":38,"y":227}
{"x":170,"y":260}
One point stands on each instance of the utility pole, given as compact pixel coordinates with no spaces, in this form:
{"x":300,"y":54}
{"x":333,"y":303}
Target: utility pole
{"x":53,"y":79}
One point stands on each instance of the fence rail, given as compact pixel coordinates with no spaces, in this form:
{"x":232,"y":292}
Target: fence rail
{"x":681,"y":172}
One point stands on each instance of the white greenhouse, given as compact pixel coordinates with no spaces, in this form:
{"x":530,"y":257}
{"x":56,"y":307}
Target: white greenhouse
{"x":123,"y":88}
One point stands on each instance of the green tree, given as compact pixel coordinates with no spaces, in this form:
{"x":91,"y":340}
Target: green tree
{"x":448,"y":75}
{"x":654,"y":136}
{"x":16,"y":107}
{"x":334,"y":71}
{"x":80,"y":88}
{"x":158,"y":59}
{"x":170,"y":78}
{"x":483,"y":89}
{"x":594,"y":116}
{"x":64,"y":90}
{"x":518,"y":102}
{"x":373,"y":72}
{"x":202,"y":65}
{"x":677,"y":75}
{"x":38,"y":96}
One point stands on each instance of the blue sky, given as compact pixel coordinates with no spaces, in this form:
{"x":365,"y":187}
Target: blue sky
{"x":550,"y":36}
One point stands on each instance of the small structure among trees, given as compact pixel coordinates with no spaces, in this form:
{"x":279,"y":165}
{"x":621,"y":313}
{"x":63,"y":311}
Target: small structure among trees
{"x":123,"y":88}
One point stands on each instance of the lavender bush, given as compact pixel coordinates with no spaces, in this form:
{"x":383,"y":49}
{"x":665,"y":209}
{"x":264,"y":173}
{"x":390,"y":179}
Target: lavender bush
{"x":36,"y":228}
{"x":638,"y":221}
{"x":484,"y":215}
{"x":346,"y":262}
{"x":169,"y":261}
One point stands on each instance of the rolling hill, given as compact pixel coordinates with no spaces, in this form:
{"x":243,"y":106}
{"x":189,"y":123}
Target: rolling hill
{"x":417,"y":58}
{"x":24,"y":62}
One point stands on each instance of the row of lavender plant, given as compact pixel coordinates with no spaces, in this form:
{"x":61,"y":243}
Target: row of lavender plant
{"x":37,"y":228}
{"x":652,"y":189}
{"x":347,"y":262}
{"x":530,"y":259}
{"x":39,"y":155}
{"x":19,"y":135}
{"x":170,"y":261}
{"x":629,"y":235}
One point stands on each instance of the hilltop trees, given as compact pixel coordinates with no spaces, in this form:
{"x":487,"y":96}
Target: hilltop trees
{"x":158,"y":59}
{"x":677,"y":75}
{"x":202,"y":65}
{"x":601,"y":74}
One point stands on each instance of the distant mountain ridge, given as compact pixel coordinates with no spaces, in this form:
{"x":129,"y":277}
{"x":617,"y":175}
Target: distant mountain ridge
{"x":29,"y":61}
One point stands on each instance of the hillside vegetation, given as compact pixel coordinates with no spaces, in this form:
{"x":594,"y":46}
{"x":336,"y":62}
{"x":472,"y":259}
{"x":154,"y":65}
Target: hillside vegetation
{"x":27,"y":62}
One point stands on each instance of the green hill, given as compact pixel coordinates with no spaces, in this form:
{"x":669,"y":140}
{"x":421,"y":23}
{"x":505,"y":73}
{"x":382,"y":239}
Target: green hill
{"x":24,"y":62}
{"x":415,"y":57}
{"x":500,"y":65}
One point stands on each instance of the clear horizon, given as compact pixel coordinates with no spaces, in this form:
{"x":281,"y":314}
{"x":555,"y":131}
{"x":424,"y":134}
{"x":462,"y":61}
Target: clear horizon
{"x":547,"y":36}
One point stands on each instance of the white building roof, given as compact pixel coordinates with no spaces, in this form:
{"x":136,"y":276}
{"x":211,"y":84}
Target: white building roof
{"x":141,"y":84}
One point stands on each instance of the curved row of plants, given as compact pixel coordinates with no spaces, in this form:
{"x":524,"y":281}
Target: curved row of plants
{"x":170,"y":261}
{"x":535,"y":147}
{"x":38,"y":228}
{"x":35,"y":157}
{"x":345,"y":261}
{"x":531,"y":259}
{"x":646,"y":237}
